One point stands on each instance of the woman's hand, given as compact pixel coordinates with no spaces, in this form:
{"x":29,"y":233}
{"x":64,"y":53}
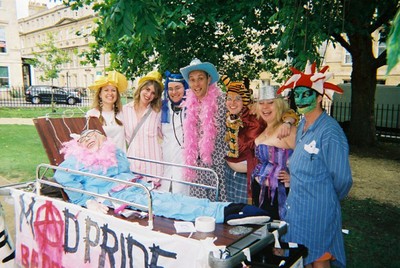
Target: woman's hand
{"x":284,"y":130}
{"x":284,"y":177}
{"x":94,"y":205}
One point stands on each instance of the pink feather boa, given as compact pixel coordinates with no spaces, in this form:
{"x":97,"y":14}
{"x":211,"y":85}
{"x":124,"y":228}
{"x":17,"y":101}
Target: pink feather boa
{"x":103,"y":158}
{"x":203,"y":111}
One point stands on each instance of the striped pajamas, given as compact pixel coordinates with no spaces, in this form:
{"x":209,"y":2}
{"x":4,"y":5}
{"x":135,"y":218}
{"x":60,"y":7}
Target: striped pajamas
{"x":147,"y":142}
{"x":320,"y":178}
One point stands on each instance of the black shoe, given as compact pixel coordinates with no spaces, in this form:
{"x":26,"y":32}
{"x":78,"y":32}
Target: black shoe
{"x":247,"y":215}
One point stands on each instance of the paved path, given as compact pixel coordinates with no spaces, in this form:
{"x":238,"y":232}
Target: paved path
{"x":16,"y":121}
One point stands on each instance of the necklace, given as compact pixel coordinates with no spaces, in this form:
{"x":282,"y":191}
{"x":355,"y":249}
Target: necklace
{"x":203,"y":115}
{"x":173,"y":125}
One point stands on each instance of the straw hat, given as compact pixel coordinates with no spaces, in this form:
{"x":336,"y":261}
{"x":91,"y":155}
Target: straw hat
{"x":113,"y":78}
{"x":153,"y":75}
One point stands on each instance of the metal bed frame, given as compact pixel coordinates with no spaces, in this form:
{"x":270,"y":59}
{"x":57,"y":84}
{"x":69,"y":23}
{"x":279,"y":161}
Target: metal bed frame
{"x":237,"y":247}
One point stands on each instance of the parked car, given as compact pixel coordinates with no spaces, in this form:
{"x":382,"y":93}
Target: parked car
{"x":44,"y":94}
{"x":81,"y":90}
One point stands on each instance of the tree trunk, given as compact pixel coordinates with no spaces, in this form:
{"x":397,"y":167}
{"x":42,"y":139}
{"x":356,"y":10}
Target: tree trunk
{"x":362,"y":131}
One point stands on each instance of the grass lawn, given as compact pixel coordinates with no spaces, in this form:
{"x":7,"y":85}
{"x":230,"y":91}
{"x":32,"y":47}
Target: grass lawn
{"x":373,"y":238}
{"x":21,"y":152}
{"x":28,"y":112}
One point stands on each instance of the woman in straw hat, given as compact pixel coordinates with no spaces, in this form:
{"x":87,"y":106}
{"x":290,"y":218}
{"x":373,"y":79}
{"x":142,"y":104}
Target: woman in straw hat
{"x":142,"y":121}
{"x":107,"y":105}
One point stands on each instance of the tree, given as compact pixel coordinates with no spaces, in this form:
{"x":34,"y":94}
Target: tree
{"x":349,"y":24}
{"x":245,"y":37}
{"x":48,"y":59}
{"x":140,"y":35}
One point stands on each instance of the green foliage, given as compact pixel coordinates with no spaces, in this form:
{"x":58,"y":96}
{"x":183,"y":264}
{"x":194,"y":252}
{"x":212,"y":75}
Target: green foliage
{"x":49,"y":59}
{"x":241,"y":38}
{"x":393,"y":44}
{"x":169,"y":35}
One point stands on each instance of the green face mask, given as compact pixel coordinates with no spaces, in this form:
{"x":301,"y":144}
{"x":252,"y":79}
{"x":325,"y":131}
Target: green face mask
{"x":306,"y":99}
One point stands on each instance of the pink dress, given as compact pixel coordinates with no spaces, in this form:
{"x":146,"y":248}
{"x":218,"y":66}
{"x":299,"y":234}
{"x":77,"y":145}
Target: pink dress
{"x":146,"y":143}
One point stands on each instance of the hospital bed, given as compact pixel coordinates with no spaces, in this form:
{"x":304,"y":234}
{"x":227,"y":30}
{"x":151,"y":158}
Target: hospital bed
{"x":53,"y":232}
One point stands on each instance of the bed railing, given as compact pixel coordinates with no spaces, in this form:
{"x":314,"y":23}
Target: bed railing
{"x":42,"y":170}
{"x":211,"y":171}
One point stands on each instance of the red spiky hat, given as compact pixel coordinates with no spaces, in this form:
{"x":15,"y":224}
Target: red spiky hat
{"x":311,"y":79}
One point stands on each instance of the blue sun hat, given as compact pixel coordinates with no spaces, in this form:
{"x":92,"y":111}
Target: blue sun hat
{"x":164,"y":108}
{"x":197,"y":65}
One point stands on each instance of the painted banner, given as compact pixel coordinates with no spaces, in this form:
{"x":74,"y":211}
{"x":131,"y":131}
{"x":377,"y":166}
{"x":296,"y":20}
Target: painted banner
{"x":54,"y":233}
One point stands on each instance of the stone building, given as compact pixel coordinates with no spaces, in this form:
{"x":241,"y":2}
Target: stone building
{"x":64,"y":24}
{"x":10,"y":50}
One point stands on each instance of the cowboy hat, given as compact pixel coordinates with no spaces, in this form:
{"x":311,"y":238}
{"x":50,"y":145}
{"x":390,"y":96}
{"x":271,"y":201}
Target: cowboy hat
{"x":197,"y":65}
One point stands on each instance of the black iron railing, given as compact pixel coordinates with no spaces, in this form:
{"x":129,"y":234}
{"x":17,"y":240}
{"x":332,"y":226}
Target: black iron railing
{"x":15,"y":97}
{"x":387,"y":118}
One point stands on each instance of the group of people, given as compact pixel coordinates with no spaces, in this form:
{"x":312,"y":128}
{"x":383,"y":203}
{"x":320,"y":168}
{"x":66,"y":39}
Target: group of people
{"x":266,"y":165}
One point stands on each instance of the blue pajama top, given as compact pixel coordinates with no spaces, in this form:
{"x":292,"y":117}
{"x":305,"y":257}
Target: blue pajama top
{"x":165,"y":204}
{"x":320,"y":178}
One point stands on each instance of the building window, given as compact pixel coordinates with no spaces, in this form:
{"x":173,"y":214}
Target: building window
{"x":347,"y":57}
{"x":3,"y":42}
{"x":4,"y":81}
